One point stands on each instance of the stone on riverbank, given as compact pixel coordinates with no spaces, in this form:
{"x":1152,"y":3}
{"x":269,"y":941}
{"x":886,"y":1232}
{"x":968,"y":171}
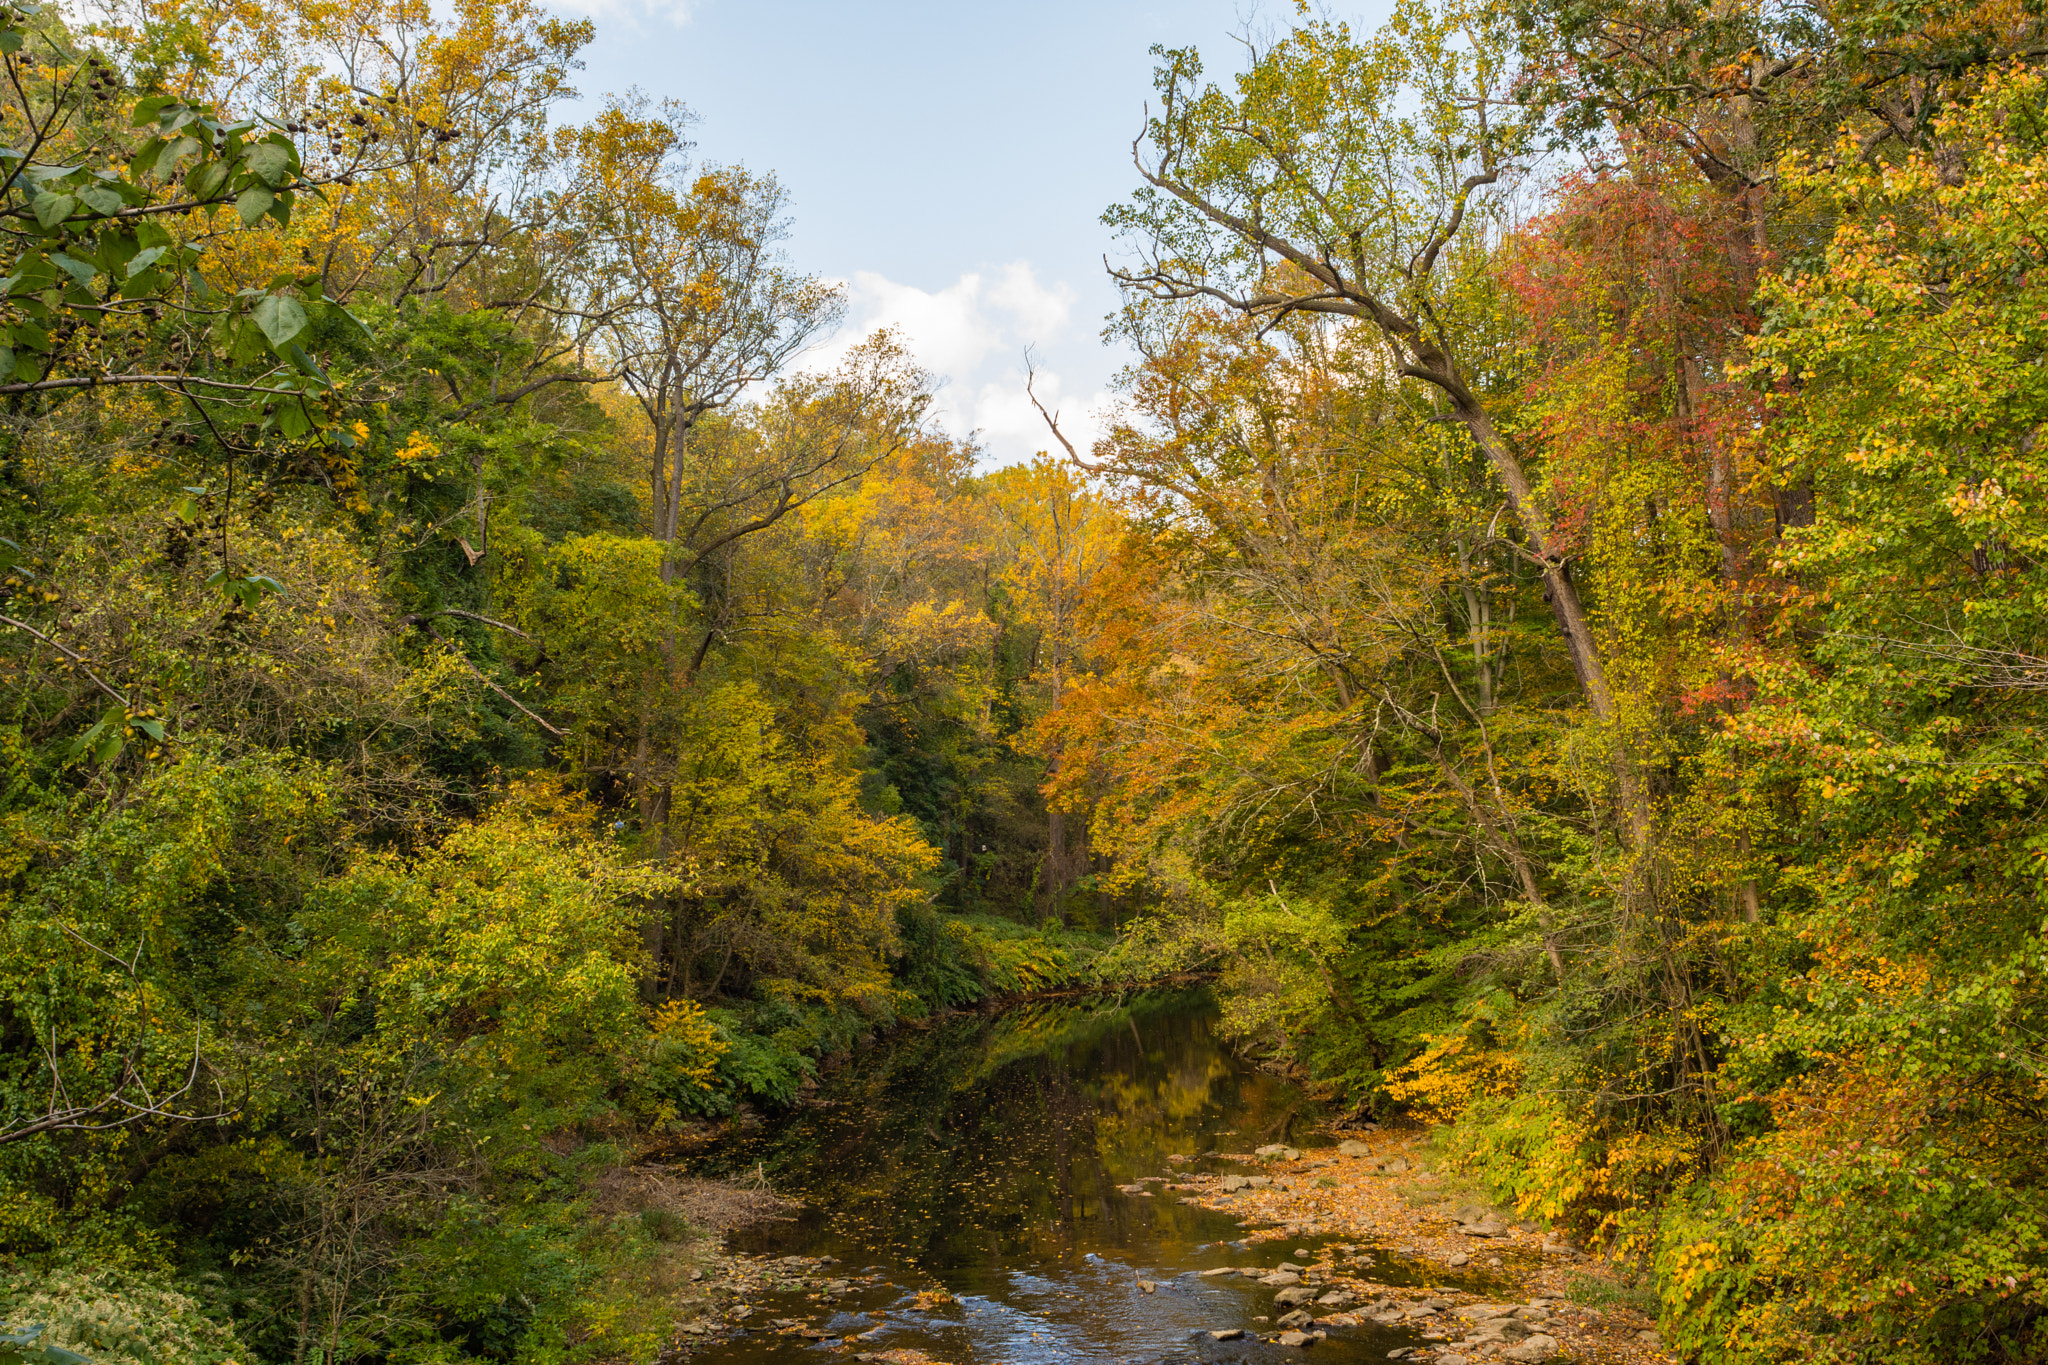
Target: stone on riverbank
{"x":1353,"y":1147}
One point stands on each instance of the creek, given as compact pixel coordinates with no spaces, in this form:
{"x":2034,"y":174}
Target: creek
{"x":995,"y":1157}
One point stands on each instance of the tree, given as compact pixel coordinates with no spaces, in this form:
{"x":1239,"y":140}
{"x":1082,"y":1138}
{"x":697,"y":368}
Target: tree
{"x":685,"y":268}
{"x":1313,"y":190}
{"x":1056,"y":539}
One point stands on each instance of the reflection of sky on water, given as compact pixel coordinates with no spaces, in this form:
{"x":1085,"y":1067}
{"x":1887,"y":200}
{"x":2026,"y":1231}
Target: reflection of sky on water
{"x":985,"y":1156}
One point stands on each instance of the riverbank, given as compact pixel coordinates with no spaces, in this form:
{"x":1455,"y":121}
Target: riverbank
{"x":1501,"y":1289}
{"x":1478,"y":1286}
{"x":1105,"y":1182}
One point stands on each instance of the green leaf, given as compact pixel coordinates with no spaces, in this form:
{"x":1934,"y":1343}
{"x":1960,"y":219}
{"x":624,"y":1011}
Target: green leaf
{"x":90,"y":740}
{"x":253,"y":203}
{"x":111,"y":744}
{"x":145,"y":157}
{"x":293,"y":422}
{"x":247,"y":590}
{"x":167,"y":160}
{"x":299,"y":356}
{"x":102,"y":201}
{"x":358,"y":322}
{"x":249,"y":345}
{"x":280,"y":318}
{"x":52,"y":209}
{"x":83,"y":271}
{"x":270,"y":163}
{"x":146,"y":110}
{"x":204,"y":182}
{"x":145,"y":259}
{"x":10,"y":41}
{"x":153,"y":728}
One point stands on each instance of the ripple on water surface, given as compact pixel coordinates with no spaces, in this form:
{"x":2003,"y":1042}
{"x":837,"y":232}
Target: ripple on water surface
{"x":984,"y":1157}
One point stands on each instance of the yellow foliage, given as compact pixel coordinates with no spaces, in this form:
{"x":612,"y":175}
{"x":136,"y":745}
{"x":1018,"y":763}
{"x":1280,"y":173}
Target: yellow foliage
{"x":1450,"y":1074}
{"x":688,"y":1043}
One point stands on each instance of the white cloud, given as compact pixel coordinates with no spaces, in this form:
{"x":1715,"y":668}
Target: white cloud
{"x":972,"y":335}
{"x":631,"y":14}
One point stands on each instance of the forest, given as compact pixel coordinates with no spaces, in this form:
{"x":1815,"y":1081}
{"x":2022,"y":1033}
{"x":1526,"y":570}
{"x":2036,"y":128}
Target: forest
{"x":1551,"y":632}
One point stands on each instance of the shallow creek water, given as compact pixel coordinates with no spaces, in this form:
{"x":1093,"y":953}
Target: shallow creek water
{"x":983,"y":1157}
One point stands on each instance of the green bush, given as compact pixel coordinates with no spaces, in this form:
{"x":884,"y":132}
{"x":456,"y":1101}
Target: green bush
{"x":113,"y":1317}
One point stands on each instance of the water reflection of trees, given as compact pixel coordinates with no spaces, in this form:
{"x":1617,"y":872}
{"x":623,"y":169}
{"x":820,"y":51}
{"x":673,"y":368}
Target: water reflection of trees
{"x":992,"y":1141}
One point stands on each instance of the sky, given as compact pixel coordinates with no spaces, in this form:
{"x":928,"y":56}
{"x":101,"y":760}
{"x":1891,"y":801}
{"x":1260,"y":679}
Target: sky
{"x":947,"y":162}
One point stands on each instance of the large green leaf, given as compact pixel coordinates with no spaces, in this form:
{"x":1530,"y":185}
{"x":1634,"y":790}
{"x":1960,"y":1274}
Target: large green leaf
{"x":280,"y":318}
{"x":270,"y":163}
{"x":204,"y":182}
{"x":52,"y":209}
{"x":167,"y":160}
{"x":83,"y":271}
{"x":253,"y":203}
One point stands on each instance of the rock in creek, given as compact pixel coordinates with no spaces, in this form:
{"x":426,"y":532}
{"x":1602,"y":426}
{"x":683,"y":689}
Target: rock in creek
{"x":1499,"y":1329}
{"x":1291,"y":1298}
{"x":1228,"y":1334}
{"x":1280,"y":1279}
{"x":1538,"y":1347}
{"x":1297,"y":1339}
{"x":1298,"y":1319}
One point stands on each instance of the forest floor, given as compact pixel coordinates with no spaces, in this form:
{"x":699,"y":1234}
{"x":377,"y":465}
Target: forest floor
{"x":1378,"y":1191}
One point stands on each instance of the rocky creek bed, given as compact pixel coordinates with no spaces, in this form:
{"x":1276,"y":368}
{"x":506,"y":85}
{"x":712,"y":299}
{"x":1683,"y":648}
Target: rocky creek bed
{"x":1093,"y":1197}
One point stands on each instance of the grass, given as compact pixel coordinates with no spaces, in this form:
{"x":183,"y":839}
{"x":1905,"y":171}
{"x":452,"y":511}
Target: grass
{"x":1598,"y":1291}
